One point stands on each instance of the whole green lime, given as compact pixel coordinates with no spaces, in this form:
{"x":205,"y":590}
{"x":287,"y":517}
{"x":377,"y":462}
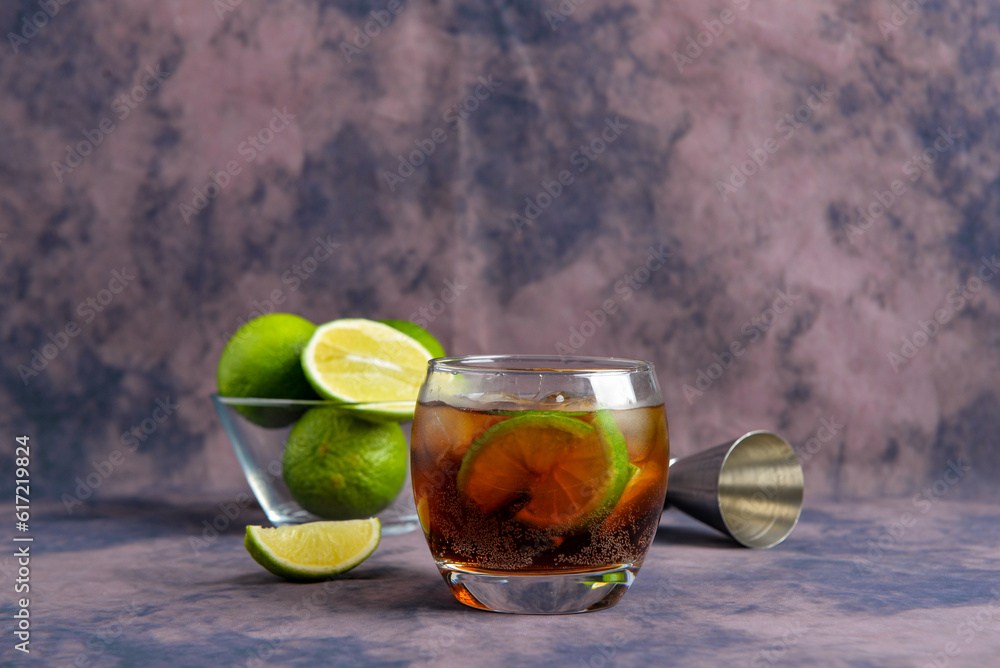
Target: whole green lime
{"x":340,"y":467}
{"x":262,"y":360}
{"x":415,"y":331}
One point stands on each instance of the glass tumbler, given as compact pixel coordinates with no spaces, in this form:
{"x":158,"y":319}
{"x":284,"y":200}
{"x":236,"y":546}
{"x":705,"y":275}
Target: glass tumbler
{"x":538,"y":480}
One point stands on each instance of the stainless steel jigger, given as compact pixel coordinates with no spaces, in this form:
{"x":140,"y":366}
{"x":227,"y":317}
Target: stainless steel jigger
{"x":749,"y":489}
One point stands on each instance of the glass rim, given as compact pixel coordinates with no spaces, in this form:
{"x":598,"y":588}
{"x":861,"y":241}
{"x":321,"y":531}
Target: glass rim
{"x":535,"y":364}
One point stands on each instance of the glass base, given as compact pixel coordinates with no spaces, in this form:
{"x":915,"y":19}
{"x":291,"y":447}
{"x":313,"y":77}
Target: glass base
{"x":394,"y":524}
{"x":395,"y":521}
{"x":549,"y":593}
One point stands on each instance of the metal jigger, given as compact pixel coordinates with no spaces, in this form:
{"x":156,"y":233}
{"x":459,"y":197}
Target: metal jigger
{"x":749,"y":489}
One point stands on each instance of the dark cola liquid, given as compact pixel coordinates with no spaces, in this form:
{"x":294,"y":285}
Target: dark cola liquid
{"x":459,"y":532}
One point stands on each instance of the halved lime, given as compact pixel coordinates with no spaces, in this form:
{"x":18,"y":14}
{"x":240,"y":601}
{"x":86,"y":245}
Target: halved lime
{"x":354,"y":360}
{"x":313,"y":551}
{"x":553,"y":471}
{"x":423,"y":337}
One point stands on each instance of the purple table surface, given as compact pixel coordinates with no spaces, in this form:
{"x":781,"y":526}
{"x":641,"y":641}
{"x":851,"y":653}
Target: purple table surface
{"x":884,"y":583}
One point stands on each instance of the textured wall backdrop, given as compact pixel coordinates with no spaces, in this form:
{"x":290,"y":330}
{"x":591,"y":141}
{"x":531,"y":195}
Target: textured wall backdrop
{"x":810,"y":185}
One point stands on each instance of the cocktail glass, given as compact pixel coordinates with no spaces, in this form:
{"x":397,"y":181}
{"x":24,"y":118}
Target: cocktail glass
{"x":539,"y":481}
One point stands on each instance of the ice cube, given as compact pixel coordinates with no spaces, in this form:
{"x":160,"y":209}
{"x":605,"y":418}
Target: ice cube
{"x":643,"y":429}
{"x":565,"y":401}
{"x":498,"y":401}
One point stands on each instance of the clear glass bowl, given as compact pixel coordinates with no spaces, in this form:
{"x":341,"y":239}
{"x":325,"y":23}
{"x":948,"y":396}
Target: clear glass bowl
{"x":260,"y":448}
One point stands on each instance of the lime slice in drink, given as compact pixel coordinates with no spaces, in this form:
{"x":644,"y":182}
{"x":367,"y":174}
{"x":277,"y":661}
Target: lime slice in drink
{"x":553,"y":471}
{"x":644,"y":483}
{"x":313,"y":551}
{"x":357,"y":360}
{"x":423,"y":337}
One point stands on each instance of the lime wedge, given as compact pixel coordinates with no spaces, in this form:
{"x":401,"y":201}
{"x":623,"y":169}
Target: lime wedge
{"x":356,"y":360}
{"x":552,"y":471}
{"x":423,"y":337}
{"x":313,"y":551}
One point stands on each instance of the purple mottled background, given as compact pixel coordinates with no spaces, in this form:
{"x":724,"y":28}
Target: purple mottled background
{"x":812,"y":185}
